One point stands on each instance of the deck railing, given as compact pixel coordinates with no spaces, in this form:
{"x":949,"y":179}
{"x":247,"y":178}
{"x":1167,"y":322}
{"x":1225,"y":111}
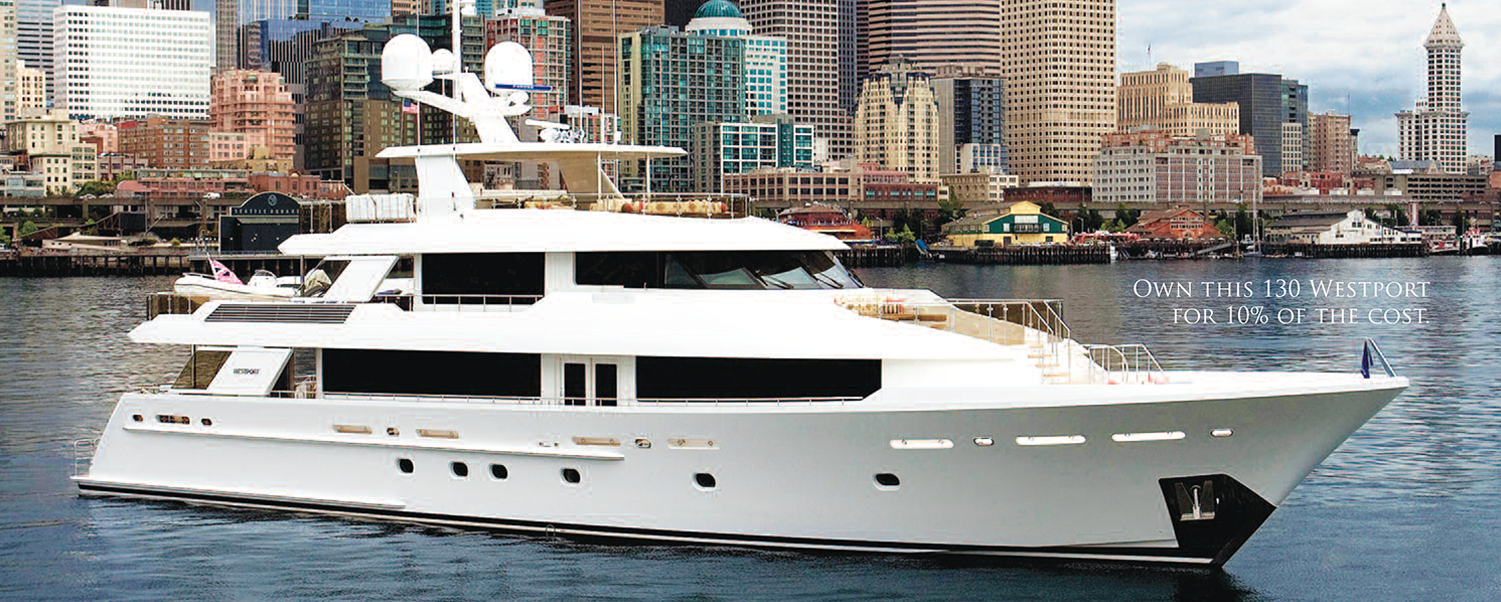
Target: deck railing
{"x":305,"y":389}
{"x":1124,"y":364}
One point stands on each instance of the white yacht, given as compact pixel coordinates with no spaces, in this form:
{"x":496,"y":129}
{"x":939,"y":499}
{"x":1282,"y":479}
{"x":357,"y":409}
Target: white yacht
{"x":603,"y":374}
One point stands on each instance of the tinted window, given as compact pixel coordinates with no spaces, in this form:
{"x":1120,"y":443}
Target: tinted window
{"x":482,"y":274}
{"x":715,"y":270}
{"x":746,"y":378}
{"x":432,"y":373}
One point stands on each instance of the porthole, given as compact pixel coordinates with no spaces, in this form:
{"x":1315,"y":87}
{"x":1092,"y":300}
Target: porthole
{"x":207,"y":422}
{"x":138,"y":418}
{"x":405,"y":465}
{"x":705,"y":480}
{"x":499,"y":472}
{"x":886,"y":480}
{"x":391,"y":430}
{"x":571,"y":476}
{"x":460,"y":469}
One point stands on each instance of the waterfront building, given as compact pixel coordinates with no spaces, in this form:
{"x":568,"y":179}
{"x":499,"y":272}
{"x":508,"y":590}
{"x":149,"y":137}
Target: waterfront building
{"x":1020,"y":223}
{"x":47,"y":145}
{"x":1335,"y":228}
{"x":1059,"y":67}
{"x":897,"y":123}
{"x":1178,"y":223}
{"x":22,"y":184}
{"x":979,"y":188}
{"x":769,"y":142}
{"x":783,"y":188}
{"x":971,"y":123}
{"x":930,"y":34}
{"x":1266,"y":102}
{"x":257,"y":105}
{"x":114,"y":165}
{"x":549,"y":38}
{"x":1437,"y":128}
{"x":825,"y":219}
{"x":1333,"y":143}
{"x":820,"y":75}
{"x":765,"y":56}
{"x":1430,"y":186}
{"x":885,"y":193}
{"x":670,"y":81}
{"x":298,"y":185}
{"x":1163,"y":99}
{"x":31,"y":89}
{"x":132,"y":62}
{"x":167,"y":143}
{"x":1153,"y":167}
{"x":596,"y":25}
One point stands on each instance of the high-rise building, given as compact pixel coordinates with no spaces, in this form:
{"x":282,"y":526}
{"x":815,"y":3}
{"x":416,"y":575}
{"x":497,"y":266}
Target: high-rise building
{"x":352,"y":116}
{"x":549,"y":38}
{"x":1059,"y":67}
{"x":768,"y":142}
{"x":131,"y":62}
{"x":930,"y":33}
{"x":765,"y":56}
{"x":257,"y":105}
{"x":896,"y":122}
{"x":1437,"y":129}
{"x":1163,"y":99}
{"x":31,"y":90}
{"x":971,"y":123}
{"x":1332,"y":142}
{"x":9,"y":86}
{"x":1152,"y":167}
{"x":244,"y":40}
{"x":1292,"y":147}
{"x":596,"y":23}
{"x":33,"y":31}
{"x":670,"y":81}
{"x":820,"y":62}
{"x":1266,"y":102}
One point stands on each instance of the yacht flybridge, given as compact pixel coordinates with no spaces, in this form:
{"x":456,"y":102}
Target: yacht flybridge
{"x":593,"y":372}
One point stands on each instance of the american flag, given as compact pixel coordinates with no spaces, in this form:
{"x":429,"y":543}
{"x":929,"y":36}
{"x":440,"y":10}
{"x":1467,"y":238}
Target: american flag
{"x":408,"y":107}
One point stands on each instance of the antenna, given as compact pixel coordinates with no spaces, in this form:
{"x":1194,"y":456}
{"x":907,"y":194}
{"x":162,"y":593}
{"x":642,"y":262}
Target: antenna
{"x":406,"y":63}
{"x":508,"y":67}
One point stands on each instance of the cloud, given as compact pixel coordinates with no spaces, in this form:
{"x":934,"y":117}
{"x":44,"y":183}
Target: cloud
{"x":1367,"y":51}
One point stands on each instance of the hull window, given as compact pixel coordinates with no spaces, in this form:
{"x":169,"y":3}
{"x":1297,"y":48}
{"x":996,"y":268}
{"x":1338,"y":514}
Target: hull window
{"x":460,"y":469}
{"x":499,"y":472}
{"x":405,"y":465}
{"x":432,"y":373}
{"x":754,"y":379}
{"x":571,"y":476}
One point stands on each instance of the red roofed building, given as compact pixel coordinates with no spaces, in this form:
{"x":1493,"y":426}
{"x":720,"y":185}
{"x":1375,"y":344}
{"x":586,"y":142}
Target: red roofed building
{"x":825,"y":220}
{"x":1179,"y":223}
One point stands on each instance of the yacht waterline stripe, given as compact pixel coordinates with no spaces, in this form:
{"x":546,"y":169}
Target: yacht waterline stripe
{"x":1121,"y":554}
{"x":543,"y":452}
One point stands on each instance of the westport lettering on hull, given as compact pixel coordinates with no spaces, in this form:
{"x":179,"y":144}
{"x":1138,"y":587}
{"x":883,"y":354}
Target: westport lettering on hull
{"x":599,"y":366}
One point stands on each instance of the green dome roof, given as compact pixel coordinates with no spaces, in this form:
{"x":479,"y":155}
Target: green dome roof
{"x":718,"y":8}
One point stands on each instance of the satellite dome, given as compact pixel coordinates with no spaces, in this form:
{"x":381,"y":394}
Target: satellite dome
{"x":718,"y":8}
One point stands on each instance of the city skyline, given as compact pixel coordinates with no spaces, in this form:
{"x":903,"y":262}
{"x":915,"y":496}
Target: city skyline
{"x":1376,"y":57}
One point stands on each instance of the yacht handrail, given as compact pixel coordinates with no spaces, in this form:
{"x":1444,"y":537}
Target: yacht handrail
{"x":1130,"y":363}
{"x":508,"y":400}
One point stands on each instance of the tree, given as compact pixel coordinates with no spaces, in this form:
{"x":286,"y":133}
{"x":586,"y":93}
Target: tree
{"x":1049,"y":210}
{"x":1461,"y":223}
{"x":1398,"y":217}
{"x":1088,"y":220}
{"x":4,"y":238}
{"x":1127,"y":217}
{"x":904,"y":237}
{"x":27,"y":228}
{"x":949,"y":210}
{"x":96,"y":188}
{"x":1431,"y":217}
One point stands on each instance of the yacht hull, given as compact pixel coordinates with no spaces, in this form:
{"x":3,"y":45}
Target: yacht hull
{"x":793,"y":476}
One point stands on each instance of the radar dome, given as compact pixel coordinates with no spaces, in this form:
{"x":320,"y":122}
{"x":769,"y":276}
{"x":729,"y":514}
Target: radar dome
{"x":406,"y":63}
{"x":508,"y":64}
{"x":444,"y":62}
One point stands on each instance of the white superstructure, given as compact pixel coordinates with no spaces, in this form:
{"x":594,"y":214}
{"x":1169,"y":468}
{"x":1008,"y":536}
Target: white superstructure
{"x":602,"y":374}
{"x":112,"y":62}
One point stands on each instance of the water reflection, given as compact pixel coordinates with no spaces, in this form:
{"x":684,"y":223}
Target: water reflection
{"x":1408,"y":508}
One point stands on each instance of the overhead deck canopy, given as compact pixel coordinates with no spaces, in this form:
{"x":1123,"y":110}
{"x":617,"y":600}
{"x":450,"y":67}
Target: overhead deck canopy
{"x":542,"y":231}
{"x":532,"y":151}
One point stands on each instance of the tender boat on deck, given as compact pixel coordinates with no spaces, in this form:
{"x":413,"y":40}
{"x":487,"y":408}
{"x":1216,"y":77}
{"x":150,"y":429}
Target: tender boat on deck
{"x":717,"y":381}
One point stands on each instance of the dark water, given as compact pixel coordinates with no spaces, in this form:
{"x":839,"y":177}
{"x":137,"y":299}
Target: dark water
{"x":1408,"y":509}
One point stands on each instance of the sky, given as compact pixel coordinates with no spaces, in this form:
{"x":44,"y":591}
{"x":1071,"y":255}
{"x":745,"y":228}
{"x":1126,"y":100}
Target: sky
{"x":1362,"y":57}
